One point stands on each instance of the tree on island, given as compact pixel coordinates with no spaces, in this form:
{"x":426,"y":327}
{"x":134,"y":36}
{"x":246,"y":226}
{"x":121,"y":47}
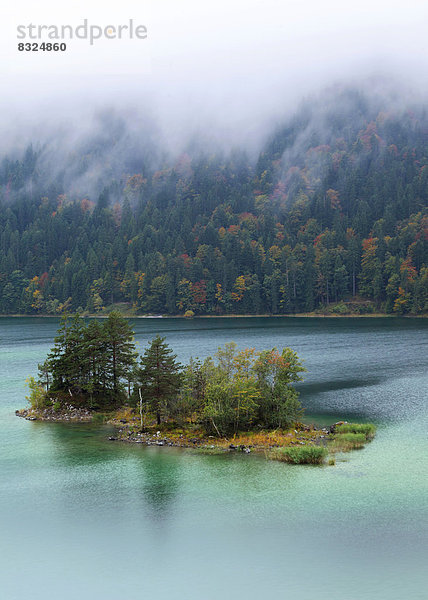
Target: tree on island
{"x":249,"y":388}
{"x":159,"y":376}
{"x":275,"y":372}
{"x":66,"y":360}
{"x":94,"y":360}
{"x":120,"y":351}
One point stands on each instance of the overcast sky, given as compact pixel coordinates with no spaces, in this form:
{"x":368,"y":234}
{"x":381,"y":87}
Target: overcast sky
{"x":230,"y":63}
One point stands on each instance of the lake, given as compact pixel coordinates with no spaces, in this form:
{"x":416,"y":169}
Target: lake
{"x":84,"y":517}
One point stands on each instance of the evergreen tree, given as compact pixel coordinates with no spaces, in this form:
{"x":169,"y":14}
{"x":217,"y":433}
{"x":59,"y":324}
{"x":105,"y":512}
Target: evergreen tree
{"x":66,"y":359}
{"x":121,"y":355}
{"x":95,"y":360}
{"x":159,"y":376}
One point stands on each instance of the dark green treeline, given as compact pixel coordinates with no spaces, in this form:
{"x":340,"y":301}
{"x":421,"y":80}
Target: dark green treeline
{"x":331,"y":210}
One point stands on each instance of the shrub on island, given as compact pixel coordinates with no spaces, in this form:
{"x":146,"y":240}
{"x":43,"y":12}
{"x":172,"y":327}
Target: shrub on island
{"x":344,"y":442}
{"x":368,"y":429}
{"x":305,"y":455}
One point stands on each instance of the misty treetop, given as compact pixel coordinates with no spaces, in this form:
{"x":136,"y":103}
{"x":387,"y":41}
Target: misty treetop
{"x":332,"y":209}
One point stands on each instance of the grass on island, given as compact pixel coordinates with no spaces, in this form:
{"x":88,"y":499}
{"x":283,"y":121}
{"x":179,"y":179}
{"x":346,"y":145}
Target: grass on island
{"x":303,"y":445}
{"x":347,"y":437}
{"x":305,"y":455}
{"x":351,"y":436}
{"x":128,"y":418}
{"x":344,"y":442}
{"x":368,"y":429}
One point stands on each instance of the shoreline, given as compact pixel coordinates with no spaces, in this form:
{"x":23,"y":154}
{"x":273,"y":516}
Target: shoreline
{"x":300,"y":444}
{"x":70,"y":415}
{"x":233,"y":316}
{"x":127,"y":430}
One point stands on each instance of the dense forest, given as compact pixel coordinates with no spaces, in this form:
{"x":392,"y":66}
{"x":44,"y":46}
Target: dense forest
{"x":330,"y":215}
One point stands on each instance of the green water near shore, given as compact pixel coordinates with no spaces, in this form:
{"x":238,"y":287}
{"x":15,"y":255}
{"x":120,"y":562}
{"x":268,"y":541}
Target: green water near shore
{"x":84,"y":517}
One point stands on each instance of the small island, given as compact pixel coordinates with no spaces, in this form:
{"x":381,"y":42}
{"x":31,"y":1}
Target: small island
{"x":238,"y":400}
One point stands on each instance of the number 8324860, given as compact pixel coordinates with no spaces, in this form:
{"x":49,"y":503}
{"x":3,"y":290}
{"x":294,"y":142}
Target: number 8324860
{"x":43,"y":47}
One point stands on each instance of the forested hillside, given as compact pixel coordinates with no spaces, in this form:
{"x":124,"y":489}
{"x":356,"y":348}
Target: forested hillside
{"x":331,"y":215}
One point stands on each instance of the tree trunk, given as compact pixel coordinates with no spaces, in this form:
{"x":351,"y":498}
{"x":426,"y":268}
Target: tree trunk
{"x":114,"y":369}
{"x":141,"y":408}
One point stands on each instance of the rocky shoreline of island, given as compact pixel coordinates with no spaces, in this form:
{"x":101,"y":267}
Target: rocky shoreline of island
{"x":301,"y":444}
{"x":67,"y":414}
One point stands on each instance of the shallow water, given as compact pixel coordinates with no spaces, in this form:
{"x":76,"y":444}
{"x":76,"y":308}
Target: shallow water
{"x":84,"y":517}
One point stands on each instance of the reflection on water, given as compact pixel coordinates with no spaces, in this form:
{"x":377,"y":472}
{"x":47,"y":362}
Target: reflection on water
{"x":159,"y":474}
{"x":338,"y":384}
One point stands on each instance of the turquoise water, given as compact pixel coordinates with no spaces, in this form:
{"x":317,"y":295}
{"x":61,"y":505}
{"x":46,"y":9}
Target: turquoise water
{"x":82,"y":517}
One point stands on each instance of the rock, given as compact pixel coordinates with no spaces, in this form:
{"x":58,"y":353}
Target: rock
{"x":333,"y":427}
{"x":232,"y":447}
{"x":246,"y":450}
{"x":112,"y":439}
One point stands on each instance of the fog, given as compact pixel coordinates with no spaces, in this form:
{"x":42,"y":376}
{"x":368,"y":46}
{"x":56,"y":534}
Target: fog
{"x":222,"y":73}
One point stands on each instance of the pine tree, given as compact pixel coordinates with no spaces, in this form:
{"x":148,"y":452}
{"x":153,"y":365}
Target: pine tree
{"x":96,"y":358}
{"x":118,"y":338}
{"x":66,"y":358}
{"x":159,"y":376}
